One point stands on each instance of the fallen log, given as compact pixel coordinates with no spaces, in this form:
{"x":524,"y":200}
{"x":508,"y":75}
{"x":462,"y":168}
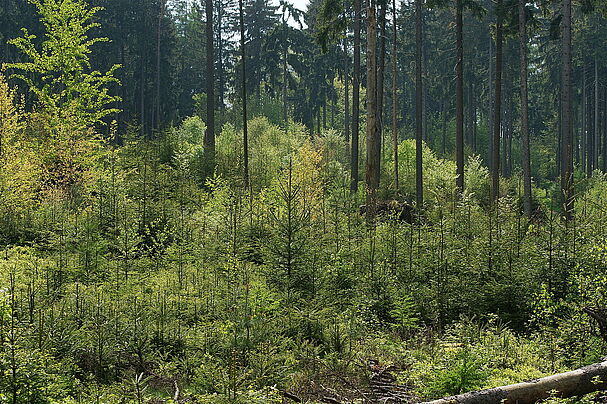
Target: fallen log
{"x":569,"y":384}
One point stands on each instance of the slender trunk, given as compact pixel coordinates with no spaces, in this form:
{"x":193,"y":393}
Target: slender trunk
{"x":474,"y":124}
{"x":509,"y":135}
{"x":381,"y":69}
{"x":332,"y":112}
{"x":142,"y":97}
{"x":244,"y":95}
{"x":419,"y":181}
{"x":123,"y":117}
{"x":585,"y":160}
{"x":156,"y":124}
{"x":394,"y":96}
{"x":209,"y":138}
{"x":589,"y":122}
{"x":597,"y":139}
{"x":490,"y":101}
{"x":355,"y":99}
{"x":576,"y":136}
{"x":373,"y":133}
{"x":142,"y":79}
{"x":604,"y":125}
{"x":318,"y":121}
{"x":444,"y":129}
{"x":346,"y":92}
{"x":468,"y":125}
{"x":497,"y":121}
{"x":285,"y":81}
{"x":220,"y":59}
{"x":526,"y":163}
{"x":459,"y":113}
{"x":567,"y":169}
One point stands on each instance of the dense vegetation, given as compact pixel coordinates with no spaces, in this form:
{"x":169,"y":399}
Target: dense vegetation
{"x":163,"y":241}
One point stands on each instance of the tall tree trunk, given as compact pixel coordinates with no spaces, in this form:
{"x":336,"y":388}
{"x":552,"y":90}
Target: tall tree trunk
{"x":604,"y":125}
{"x":373,"y":133}
{"x":459,"y":99}
{"x":346,"y":91}
{"x":244,"y":94}
{"x":491,"y":100}
{"x":332,"y":112}
{"x":584,"y":143}
{"x":209,"y":136}
{"x":419,"y":180}
{"x":355,"y":99}
{"x":526,"y":161}
{"x":156,"y":123}
{"x":469,"y":120}
{"x":597,"y":139}
{"x":586,"y":160}
{"x":497,"y":115}
{"x":318,"y":120}
{"x":124,"y":115}
{"x":285,"y":81}
{"x":220,"y":69}
{"x":444,"y":127}
{"x":589,"y":121}
{"x":394,"y":96}
{"x":567,"y":165}
{"x":474,"y":123}
{"x":142,"y":117}
{"x":381,"y":68}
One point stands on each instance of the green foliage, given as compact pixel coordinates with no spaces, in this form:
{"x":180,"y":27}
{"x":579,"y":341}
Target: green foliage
{"x":59,"y":71}
{"x":134,"y":270}
{"x":464,"y":373}
{"x":269,"y":148}
{"x":19,"y":164}
{"x":153,"y":278}
{"x":403,"y":314}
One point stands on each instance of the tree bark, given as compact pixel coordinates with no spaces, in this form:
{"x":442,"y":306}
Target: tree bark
{"x":394,"y":96}
{"x":381,"y":64}
{"x":497,"y":115}
{"x":444,"y":127}
{"x":209,"y":137}
{"x":346,"y":91}
{"x":604,"y":125}
{"x":586,"y":161}
{"x":586,"y":121}
{"x":419,"y":181}
{"x":490,"y":100}
{"x":285,"y":81}
{"x":244,"y":95}
{"x":597,"y":139}
{"x":156,"y":124}
{"x":220,"y":69}
{"x":577,"y":382}
{"x":459,"y":114}
{"x":526,"y":155}
{"x":355,"y":100}
{"x":473,"y":118}
{"x":373,"y":133}
{"x":567,"y":165}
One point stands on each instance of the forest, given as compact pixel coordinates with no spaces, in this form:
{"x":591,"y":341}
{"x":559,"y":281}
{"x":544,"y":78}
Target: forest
{"x":325,"y":201}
